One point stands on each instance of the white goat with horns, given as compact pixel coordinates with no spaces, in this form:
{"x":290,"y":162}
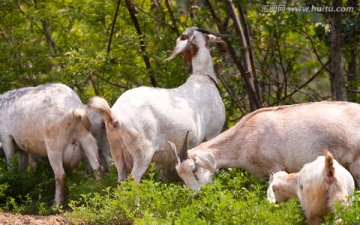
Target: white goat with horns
{"x":143,"y":119}
{"x":278,"y":138}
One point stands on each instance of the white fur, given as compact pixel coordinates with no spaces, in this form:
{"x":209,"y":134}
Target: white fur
{"x":143,"y":120}
{"x":47,"y":120}
{"x":283,"y":138}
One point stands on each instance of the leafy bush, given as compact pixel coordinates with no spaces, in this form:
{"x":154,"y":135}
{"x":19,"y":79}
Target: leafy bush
{"x":235,"y":197}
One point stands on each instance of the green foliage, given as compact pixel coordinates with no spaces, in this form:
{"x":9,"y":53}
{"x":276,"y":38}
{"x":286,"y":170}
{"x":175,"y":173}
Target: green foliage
{"x":26,"y":192}
{"x":67,"y":41}
{"x":235,"y":197}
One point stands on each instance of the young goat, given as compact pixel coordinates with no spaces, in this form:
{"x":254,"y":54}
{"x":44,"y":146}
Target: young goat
{"x":278,"y":138}
{"x":318,"y":185}
{"x":143,"y":119}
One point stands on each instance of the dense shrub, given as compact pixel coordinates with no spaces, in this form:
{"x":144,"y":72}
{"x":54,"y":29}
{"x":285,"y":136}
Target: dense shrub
{"x":234,"y":198}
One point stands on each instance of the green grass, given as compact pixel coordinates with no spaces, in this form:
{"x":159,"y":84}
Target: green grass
{"x":235,"y":197}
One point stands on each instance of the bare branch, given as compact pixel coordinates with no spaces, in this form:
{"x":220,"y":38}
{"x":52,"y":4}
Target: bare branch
{"x":231,"y":93}
{"x":306,"y":83}
{"x":109,"y":82}
{"x":158,"y":20}
{"x":93,"y":84}
{"x":131,"y":10}
{"x":113,"y":24}
{"x":315,"y":51}
{"x":281,"y":60}
{"x":255,"y":102}
{"x":249,"y":83}
{"x":44,"y":30}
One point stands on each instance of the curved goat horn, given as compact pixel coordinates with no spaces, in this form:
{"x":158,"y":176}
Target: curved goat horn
{"x":206,"y":31}
{"x":183,"y":151}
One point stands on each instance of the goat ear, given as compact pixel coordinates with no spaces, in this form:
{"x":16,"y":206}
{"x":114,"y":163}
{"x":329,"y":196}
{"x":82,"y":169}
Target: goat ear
{"x":182,"y":44}
{"x":205,"y":160}
{"x":173,"y":147}
{"x":329,"y":169}
{"x":220,"y":44}
{"x":271,"y":176}
{"x":270,"y":194}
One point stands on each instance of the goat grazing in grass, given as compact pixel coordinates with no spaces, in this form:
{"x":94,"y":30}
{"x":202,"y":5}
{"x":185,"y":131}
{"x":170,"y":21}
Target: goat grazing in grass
{"x":48,"y":121}
{"x":143,"y":119}
{"x":278,"y":138}
{"x":318,"y":185}
{"x":98,"y":131}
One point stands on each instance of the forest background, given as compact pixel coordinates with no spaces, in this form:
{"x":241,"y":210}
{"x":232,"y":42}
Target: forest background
{"x":276,"y":53}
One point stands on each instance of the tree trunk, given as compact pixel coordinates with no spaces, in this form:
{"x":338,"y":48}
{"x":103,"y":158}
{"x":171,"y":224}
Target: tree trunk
{"x":336,"y":55}
{"x":255,"y":100}
{"x":353,"y":76}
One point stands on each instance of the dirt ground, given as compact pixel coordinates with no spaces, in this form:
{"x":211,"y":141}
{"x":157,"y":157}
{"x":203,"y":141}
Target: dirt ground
{"x":17,"y":219}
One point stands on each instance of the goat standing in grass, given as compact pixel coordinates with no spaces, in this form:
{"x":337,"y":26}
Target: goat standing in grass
{"x":47,"y":121}
{"x":318,"y":185}
{"x":143,"y":119}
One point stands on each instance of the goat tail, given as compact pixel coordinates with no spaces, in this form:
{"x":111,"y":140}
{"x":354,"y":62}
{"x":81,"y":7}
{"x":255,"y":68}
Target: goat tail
{"x":329,"y":168}
{"x":83,"y":116}
{"x":102,"y":106}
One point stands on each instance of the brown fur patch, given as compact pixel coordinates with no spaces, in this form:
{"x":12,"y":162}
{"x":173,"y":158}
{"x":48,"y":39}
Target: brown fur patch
{"x":190,"y":53}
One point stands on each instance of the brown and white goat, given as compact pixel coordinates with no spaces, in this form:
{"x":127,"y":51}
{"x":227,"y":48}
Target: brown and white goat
{"x":278,"y":138}
{"x":318,"y":185}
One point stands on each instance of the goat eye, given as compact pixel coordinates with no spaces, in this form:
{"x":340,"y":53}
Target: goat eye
{"x":183,"y":37}
{"x":194,"y":169}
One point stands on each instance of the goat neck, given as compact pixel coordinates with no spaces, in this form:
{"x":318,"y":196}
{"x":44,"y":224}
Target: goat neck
{"x":227,"y":142}
{"x":202,"y":64}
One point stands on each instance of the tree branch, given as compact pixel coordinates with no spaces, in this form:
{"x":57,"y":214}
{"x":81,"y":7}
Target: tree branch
{"x":113,"y":25}
{"x":171,"y":14}
{"x":306,"y":83}
{"x":93,"y":84}
{"x":109,"y":82}
{"x":255,"y":101}
{"x":247,"y":37}
{"x":314,"y":49}
{"x":281,"y":60}
{"x":131,"y":10}
{"x":158,"y":20}
{"x":248,"y":82}
{"x":233,"y":96}
{"x":43,"y":30}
